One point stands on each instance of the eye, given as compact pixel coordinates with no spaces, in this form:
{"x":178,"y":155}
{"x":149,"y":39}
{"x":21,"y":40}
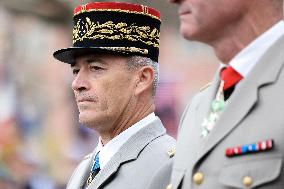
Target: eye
{"x":95,"y":68}
{"x":75,"y":71}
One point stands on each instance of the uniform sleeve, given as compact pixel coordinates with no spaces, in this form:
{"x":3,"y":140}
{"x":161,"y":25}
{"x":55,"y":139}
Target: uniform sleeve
{"x":161,"y":177}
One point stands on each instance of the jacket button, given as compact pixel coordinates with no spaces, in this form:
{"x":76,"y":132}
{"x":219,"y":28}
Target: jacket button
{"x":247,"y":181}
{"x":198,"y":178}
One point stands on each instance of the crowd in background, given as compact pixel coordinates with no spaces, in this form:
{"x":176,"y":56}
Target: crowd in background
{"x":41,"y":140}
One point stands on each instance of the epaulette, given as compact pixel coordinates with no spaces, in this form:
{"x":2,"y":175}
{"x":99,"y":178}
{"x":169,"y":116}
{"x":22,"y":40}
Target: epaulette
{"x":171,"y":152}
{"x":205,"y":86}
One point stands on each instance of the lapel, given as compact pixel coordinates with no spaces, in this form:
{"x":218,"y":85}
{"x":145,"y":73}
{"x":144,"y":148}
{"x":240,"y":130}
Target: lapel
{"x":245,"y":97}
{"x":129,"y":151}
{"x":82,"y":172}
{"x":203,"y":110}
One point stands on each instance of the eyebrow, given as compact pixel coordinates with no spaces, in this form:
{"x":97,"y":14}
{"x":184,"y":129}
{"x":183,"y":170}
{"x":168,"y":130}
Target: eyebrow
{"x":90,"y":60}
{"x":94,"y":59}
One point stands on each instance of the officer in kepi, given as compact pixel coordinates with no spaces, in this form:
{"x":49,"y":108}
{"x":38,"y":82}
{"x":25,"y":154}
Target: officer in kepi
{"x":232,"y":133}
{"x":114,"y":59}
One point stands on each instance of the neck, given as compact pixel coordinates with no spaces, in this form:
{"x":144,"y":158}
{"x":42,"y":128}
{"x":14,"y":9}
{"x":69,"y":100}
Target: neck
{"x":127,"y":119}
{"x":237,"y":36}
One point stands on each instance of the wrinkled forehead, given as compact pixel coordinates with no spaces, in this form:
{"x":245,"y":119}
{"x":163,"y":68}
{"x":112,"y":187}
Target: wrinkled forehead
{"x":103,"y":58}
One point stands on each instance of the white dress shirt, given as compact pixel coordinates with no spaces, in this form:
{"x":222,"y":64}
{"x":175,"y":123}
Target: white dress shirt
{"x":247,"y":58}
{"x":107,"y":151}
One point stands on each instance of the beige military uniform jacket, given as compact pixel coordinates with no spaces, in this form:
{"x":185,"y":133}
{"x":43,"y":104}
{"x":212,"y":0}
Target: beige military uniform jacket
{"x":134,"y":165}
{"x":254,"y":112}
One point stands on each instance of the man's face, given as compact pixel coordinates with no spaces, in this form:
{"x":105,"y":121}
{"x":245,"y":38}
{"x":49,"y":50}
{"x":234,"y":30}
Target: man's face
{"x":104,"y":89}
{"x":206,"y":20}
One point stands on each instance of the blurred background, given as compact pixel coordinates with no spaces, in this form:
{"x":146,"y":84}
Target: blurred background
{"x":41,"y":140}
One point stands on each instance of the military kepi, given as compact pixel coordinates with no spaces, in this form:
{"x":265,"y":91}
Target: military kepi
{"x":113,"y":27}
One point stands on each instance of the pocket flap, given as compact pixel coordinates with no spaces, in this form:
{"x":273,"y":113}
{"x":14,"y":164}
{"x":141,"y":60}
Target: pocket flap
{"x":258,"y":171}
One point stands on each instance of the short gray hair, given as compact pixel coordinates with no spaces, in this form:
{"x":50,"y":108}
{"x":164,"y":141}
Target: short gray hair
{"x":136,"y":62}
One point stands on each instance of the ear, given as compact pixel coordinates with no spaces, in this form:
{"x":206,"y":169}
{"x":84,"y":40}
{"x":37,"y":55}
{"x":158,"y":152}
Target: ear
{"x":145,"y":80}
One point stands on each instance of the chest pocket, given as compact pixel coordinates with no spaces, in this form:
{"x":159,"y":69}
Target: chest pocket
{"x":251,"y":174}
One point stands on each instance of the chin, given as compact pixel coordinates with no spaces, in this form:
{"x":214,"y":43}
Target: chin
{"x":92,"y":120}
{"x":86,"y":119}
{"x":191,"y":31}
{"x":186,"y":32}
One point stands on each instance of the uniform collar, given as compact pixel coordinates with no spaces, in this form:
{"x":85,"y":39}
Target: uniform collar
{"x":246,"y":59}
{"x":107,"y":151}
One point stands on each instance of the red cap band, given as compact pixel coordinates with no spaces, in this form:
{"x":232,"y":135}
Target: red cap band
{"x":115,"y":6}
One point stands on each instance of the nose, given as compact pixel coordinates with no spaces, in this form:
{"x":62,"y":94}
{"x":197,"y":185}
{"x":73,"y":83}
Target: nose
{"x":80,"y":82}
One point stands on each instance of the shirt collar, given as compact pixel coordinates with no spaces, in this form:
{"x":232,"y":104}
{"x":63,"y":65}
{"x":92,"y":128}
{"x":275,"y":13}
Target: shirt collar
{"x":245,"y":60}
{"x":107,"y":151}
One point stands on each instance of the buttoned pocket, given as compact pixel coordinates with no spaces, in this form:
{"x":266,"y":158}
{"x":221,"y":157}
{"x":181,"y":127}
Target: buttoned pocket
{"x":251,"y":174}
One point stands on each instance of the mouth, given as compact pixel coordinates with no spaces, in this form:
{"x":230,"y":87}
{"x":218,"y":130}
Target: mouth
{"x":184,"y":11}
{"x":84,"y":104}
{"x":83,"y":100}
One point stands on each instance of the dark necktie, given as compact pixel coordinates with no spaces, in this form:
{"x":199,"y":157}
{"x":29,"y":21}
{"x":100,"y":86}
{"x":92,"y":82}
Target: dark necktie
{"x":95,"y":169}
{"x":230,"y":77}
